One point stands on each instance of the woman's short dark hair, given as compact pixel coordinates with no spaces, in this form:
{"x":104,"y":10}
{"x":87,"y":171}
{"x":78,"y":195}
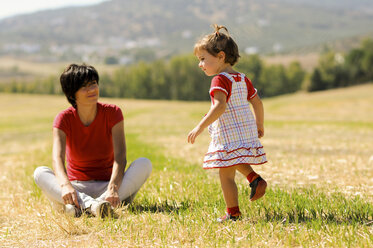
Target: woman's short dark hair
{"x":217,"y":42}
{"x":74,"y":77}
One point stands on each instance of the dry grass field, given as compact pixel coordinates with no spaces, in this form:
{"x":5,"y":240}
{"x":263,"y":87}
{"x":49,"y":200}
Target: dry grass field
{"x":320,"y":176}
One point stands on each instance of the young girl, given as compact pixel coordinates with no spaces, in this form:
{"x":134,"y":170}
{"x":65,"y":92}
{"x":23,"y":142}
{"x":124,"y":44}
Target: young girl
{"x":233,"y":129}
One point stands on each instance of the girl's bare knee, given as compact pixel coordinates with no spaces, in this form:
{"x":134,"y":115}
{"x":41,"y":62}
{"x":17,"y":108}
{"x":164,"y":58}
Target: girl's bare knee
{"x":227,"y":173}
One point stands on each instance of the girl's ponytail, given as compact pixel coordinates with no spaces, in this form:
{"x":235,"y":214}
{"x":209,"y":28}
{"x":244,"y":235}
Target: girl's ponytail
{"x":217,"y":28}
{"x":217,"y":42}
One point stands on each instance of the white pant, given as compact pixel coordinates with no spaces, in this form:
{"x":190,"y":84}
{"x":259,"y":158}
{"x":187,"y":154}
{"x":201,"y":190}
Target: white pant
{"x":134,"y":177}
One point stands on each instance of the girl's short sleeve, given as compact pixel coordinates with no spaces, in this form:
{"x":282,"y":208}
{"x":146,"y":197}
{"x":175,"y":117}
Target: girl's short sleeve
{"x":251,"y":91}
{"x":221,"y":83}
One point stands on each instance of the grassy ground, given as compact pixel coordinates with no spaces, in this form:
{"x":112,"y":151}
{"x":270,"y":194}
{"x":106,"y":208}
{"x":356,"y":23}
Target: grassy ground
{"x":320,"y":151}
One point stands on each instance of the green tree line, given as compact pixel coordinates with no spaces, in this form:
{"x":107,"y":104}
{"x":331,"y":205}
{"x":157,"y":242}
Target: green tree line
{"x":337,"y":70}
{"x":180,"y":78}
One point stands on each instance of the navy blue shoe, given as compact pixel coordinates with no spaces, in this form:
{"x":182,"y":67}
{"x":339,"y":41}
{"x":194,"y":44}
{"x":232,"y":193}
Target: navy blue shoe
{"x":258,"y":188}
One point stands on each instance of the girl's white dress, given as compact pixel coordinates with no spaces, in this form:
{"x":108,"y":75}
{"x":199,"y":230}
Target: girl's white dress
{"x":234,"y":134}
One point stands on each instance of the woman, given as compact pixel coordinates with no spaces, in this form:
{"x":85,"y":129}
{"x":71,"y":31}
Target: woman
{"x":91,"y":136}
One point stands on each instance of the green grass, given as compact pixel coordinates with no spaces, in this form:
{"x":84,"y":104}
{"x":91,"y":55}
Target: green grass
{"x":290,"y":206}
{"x":180,"y":197}
{"x":319,"y":176}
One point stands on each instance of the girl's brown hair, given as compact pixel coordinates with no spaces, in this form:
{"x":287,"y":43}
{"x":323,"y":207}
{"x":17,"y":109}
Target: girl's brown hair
{"x":216,"y":42}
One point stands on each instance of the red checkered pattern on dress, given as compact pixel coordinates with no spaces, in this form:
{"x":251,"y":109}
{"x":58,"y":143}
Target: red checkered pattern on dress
{"x":234,"y":134}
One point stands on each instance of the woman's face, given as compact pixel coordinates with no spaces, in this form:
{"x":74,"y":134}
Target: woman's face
{"x":87,"y":94}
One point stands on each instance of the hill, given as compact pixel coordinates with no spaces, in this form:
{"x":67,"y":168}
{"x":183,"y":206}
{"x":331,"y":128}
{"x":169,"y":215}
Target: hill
{"x":131,"y":30}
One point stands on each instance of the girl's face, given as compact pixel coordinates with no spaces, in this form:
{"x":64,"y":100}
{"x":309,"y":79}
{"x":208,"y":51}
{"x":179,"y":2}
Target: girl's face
{"x":210,"y":64}
{"x":87,"y":94}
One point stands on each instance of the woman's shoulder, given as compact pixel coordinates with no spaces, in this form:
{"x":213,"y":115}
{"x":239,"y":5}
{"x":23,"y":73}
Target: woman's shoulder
{"x":66,"y":112}
{"x":64,"y":116}
{"x":109,"y":109}
{"x":107,"y":106}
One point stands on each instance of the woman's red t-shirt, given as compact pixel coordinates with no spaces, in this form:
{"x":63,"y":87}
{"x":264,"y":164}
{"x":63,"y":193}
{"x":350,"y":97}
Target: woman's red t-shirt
{"x":89,"y":150}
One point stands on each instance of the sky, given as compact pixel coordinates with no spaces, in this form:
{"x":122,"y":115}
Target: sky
{"x":15,"y":7}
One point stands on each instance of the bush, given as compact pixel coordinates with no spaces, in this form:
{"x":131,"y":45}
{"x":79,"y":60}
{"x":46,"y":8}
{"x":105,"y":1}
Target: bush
{"x":335,"y":70}
{"x":180,"y":78}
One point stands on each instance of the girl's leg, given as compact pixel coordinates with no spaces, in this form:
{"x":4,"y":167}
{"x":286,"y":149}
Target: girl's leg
{"x":229,"y":186}
{"x":245,"y":169}
{"x":134,"y":177}
{"x":258,"y":185}
{"x":47,"y":182}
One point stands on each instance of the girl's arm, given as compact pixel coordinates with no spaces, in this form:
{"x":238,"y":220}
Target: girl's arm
{"x":220,"y":103}
{"x":120,"y":162}
{"x":259,"y":114}
{"x":68,"y":193}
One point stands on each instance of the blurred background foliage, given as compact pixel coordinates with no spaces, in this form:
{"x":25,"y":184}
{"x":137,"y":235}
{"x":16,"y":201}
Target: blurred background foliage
{"x":180,"y":78}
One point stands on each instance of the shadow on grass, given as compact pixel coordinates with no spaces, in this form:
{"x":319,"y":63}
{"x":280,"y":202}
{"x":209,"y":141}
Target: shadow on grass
{"x":312,"y":205}
{"x":162,"y":207}
{"x":304,"y":216}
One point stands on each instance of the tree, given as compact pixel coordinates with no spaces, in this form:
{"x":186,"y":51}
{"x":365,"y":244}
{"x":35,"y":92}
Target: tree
{"x":160,"y":81}
{"x":316,"y":81}
{"x":295,"y":76}
{"x":273,"y":80}
{"x":188,"y":82}
{"x":333,"y":71}
{"x":367,"y":61}
{"x":111,"y":60}
{"x":251,"y":65}
{"x":354,"y":61}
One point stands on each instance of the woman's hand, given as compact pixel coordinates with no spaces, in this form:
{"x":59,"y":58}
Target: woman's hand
{"x":112,"y":196}
{"x":69,"y":194}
